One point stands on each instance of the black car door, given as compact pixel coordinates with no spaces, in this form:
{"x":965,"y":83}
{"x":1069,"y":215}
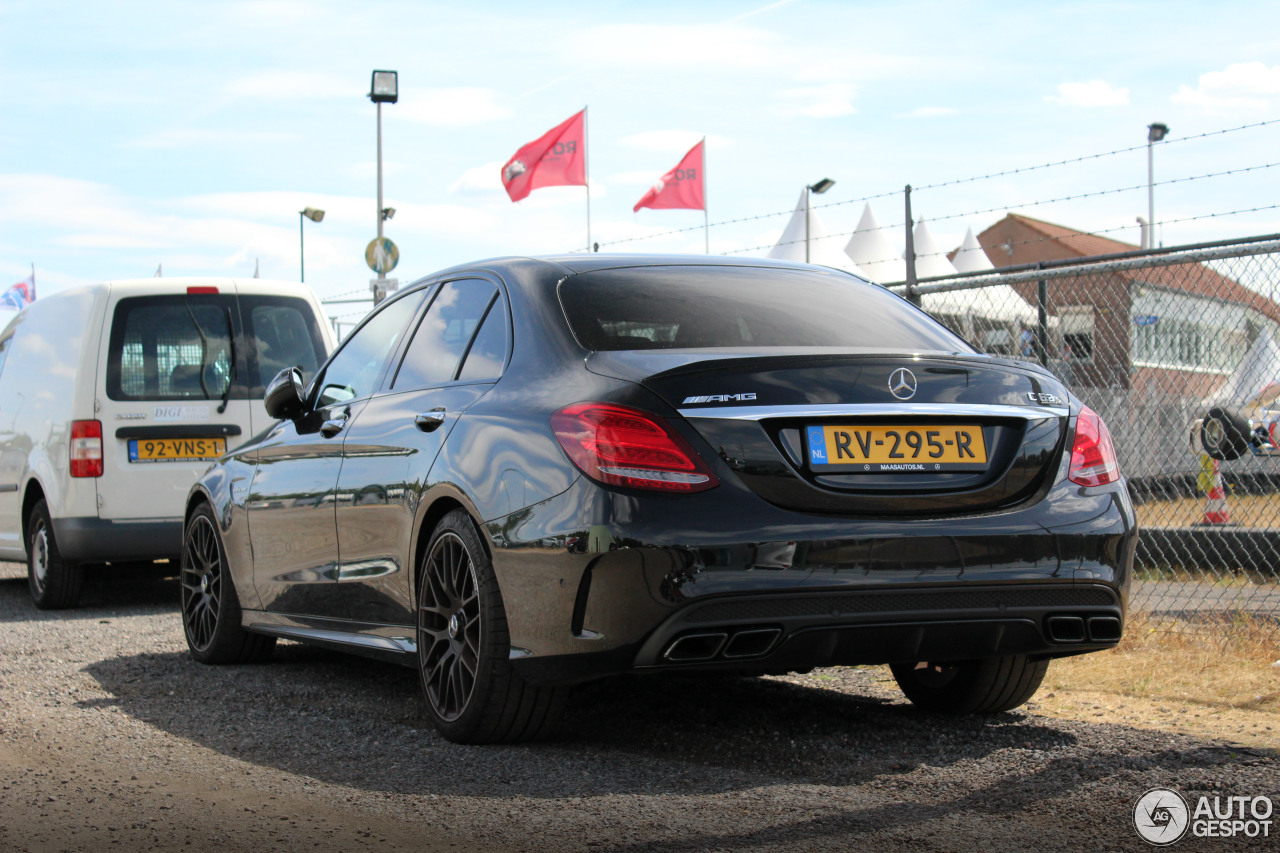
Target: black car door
{"x":456,"y":353}
{"x":292,"y":498}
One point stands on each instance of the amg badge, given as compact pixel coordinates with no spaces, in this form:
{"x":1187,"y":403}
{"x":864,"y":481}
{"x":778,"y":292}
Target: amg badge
{"x":720,"y":398}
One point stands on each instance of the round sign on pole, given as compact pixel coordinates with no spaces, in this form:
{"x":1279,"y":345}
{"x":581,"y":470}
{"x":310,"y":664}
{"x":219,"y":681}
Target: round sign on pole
{"x":381,"y":255}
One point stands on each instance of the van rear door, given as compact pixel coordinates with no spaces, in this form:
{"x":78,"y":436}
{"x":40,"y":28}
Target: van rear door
{"x":181,"y":371}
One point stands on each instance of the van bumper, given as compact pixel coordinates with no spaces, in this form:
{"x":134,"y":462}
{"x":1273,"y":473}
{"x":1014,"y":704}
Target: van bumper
{"x":96,"y":540}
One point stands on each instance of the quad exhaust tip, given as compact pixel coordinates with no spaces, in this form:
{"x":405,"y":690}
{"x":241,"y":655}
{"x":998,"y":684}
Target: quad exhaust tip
{"x":694,"y":648}
{"x":1079,"y":629}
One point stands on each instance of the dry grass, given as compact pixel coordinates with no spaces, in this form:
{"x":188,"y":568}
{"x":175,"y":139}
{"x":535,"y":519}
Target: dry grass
{"x":1246,"y":511}
{"x":1220,"y":685}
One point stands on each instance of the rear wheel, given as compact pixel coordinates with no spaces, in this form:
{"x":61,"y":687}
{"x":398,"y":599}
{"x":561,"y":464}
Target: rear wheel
{"x":54,"y":582}
{"x":210,"y":606}
{"x":472,"y":693}
{"x":971,"y":687}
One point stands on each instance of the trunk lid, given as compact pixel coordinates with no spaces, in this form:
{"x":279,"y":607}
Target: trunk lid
{"x":841,"y":431}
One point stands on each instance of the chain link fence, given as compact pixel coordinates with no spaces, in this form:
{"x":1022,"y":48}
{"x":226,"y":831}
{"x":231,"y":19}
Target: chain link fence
{"x":1179,"y":351}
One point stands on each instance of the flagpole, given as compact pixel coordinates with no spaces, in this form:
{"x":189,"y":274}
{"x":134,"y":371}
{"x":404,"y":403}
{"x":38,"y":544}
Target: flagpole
{"x":586,"y":169}
{"x":706,"y":220}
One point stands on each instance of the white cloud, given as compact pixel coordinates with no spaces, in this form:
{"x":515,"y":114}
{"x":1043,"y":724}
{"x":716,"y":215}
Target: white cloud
{"x":1095,"y":93}
{"x":830,"y":101}
{"x":717,"y":46}
{"x":455,"y":107}
{"x":295,"y":85}
{"x":191,"y":138}
{"x":480,"y":180}
{"x":662,"y":140}
{"x":929,"y":112}
{"x":1245,"y":86}
{"x":641,"y":179}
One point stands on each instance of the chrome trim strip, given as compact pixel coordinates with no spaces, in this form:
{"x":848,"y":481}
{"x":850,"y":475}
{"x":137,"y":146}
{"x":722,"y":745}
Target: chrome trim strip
{"x":866,"y":410}
{"x":390,"y":644}
{"x":8,"y":487}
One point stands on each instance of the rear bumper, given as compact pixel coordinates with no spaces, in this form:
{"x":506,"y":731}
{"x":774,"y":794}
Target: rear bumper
{"x":89,"y":539}
{"x":690,"y":584}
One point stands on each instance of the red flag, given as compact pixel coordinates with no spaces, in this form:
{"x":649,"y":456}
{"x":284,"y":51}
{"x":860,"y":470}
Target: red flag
{"x":681,"y":187}
{"x":558,"y":158}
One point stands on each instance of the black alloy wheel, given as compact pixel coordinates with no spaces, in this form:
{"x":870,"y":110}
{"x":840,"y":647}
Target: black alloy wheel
{"x":210,"y":608}
{"x":449,"y":626}
{"x":986,"y":686}
{"x":473,"y":694}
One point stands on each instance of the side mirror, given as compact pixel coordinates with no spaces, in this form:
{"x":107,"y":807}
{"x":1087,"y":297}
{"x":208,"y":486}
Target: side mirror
{"x":284,"y":397}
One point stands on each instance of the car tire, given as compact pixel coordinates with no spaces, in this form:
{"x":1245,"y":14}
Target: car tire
{"x":55,"y":582}
{"x":472,"y":693}
{"x":971,"y":687}
{"x":211,"y":616}
{"x":1224,"y":435}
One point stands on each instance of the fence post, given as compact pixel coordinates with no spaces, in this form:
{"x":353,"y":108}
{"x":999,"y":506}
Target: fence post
{"x":910,"y":255}
{"x":1042,"y":319}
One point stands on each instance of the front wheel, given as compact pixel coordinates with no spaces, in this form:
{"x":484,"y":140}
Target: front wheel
{"x":210,"y":607}
{"x":971,"y":687}
{"x":472,"y":693}
{"x":54,"y":582}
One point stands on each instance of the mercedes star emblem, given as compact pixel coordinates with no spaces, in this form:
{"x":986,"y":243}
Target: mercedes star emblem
{"x":902,"y":384}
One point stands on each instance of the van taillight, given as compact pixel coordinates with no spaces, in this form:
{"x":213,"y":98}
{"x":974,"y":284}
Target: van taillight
{"x":1093,"y":457}
{"x":622,"y":446}
{"x":86,"y":448}
{"x":202,"y":289}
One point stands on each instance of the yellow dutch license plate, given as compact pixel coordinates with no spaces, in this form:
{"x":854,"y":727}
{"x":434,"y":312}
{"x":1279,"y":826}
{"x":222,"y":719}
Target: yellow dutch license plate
{"x":175,"y":449}
{"x":897,"y":448}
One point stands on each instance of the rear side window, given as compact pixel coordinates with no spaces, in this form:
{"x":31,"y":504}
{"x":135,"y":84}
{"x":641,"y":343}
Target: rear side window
{"x":445,"y":333}
{"x":171,"y":348}
{"x":705,"y":307}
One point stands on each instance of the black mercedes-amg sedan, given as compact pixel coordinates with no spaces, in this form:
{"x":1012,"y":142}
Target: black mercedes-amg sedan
{"x":526,"y":473}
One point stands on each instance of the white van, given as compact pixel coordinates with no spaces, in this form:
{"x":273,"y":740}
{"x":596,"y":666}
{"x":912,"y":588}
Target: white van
{"x":115,"y":397}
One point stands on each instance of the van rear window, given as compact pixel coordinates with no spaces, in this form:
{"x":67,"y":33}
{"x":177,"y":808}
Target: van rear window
{"x":200,"y":347}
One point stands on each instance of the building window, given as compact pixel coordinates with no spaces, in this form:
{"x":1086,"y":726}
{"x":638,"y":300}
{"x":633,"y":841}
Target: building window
{"x":1077,"y":333}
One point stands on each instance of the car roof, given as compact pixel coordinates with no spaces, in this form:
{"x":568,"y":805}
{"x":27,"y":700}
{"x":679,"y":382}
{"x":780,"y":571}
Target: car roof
{"x":179,"y":284}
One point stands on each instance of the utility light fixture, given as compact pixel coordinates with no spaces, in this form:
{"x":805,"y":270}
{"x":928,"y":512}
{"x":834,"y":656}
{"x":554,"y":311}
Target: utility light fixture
{"x":383,"y":87}
{"x":1157,"y":131}
{"x":822,"y":186}
{"x":313,"y":213}
{"x":388,"y":213}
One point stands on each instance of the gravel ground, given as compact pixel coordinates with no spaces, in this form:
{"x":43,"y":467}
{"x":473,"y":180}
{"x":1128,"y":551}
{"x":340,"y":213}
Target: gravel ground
{"x":111,"y":737}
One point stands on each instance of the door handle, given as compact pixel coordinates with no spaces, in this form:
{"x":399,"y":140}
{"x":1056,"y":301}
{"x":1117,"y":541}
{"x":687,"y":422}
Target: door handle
{"x":333,"y":426}
{"x":429,"y":421}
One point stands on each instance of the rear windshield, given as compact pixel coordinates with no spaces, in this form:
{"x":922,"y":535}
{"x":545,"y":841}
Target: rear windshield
{"x":180,"y":346}
{"x":706,"y":307}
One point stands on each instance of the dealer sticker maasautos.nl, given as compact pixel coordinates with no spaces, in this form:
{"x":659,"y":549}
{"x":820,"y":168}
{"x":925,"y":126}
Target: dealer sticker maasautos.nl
{"x":1163,"y":817}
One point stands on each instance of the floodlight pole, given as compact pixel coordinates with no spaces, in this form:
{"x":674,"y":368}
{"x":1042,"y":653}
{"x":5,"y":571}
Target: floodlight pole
{"x":1155,"y":132}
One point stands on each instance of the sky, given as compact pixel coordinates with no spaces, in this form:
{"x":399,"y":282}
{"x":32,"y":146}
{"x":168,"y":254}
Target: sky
{"x":186,"y":136}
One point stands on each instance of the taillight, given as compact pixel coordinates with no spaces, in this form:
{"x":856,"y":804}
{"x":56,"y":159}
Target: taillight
{"x":1093,"y":457}
{"x":86,"y":448}
{"x":622,"y":446}
{"x":201,"y":289}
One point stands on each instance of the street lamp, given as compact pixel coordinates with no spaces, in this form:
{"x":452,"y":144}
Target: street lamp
{"x":383,"y":89}
{"x":1155,"y":132}
{"x":315,"y":215}
{"x":820,"y":187}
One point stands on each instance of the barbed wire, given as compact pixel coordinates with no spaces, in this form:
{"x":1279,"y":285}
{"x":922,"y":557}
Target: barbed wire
{"x":1006,"y":207}
{"x":956,"y":182}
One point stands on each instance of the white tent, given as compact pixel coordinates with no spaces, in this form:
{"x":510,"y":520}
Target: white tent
{"x":822,"y":248}
{"x":873,"y":252}
{"x":930,"y":260}
{"x":999,"y":303}
{"x":970,"y":257}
